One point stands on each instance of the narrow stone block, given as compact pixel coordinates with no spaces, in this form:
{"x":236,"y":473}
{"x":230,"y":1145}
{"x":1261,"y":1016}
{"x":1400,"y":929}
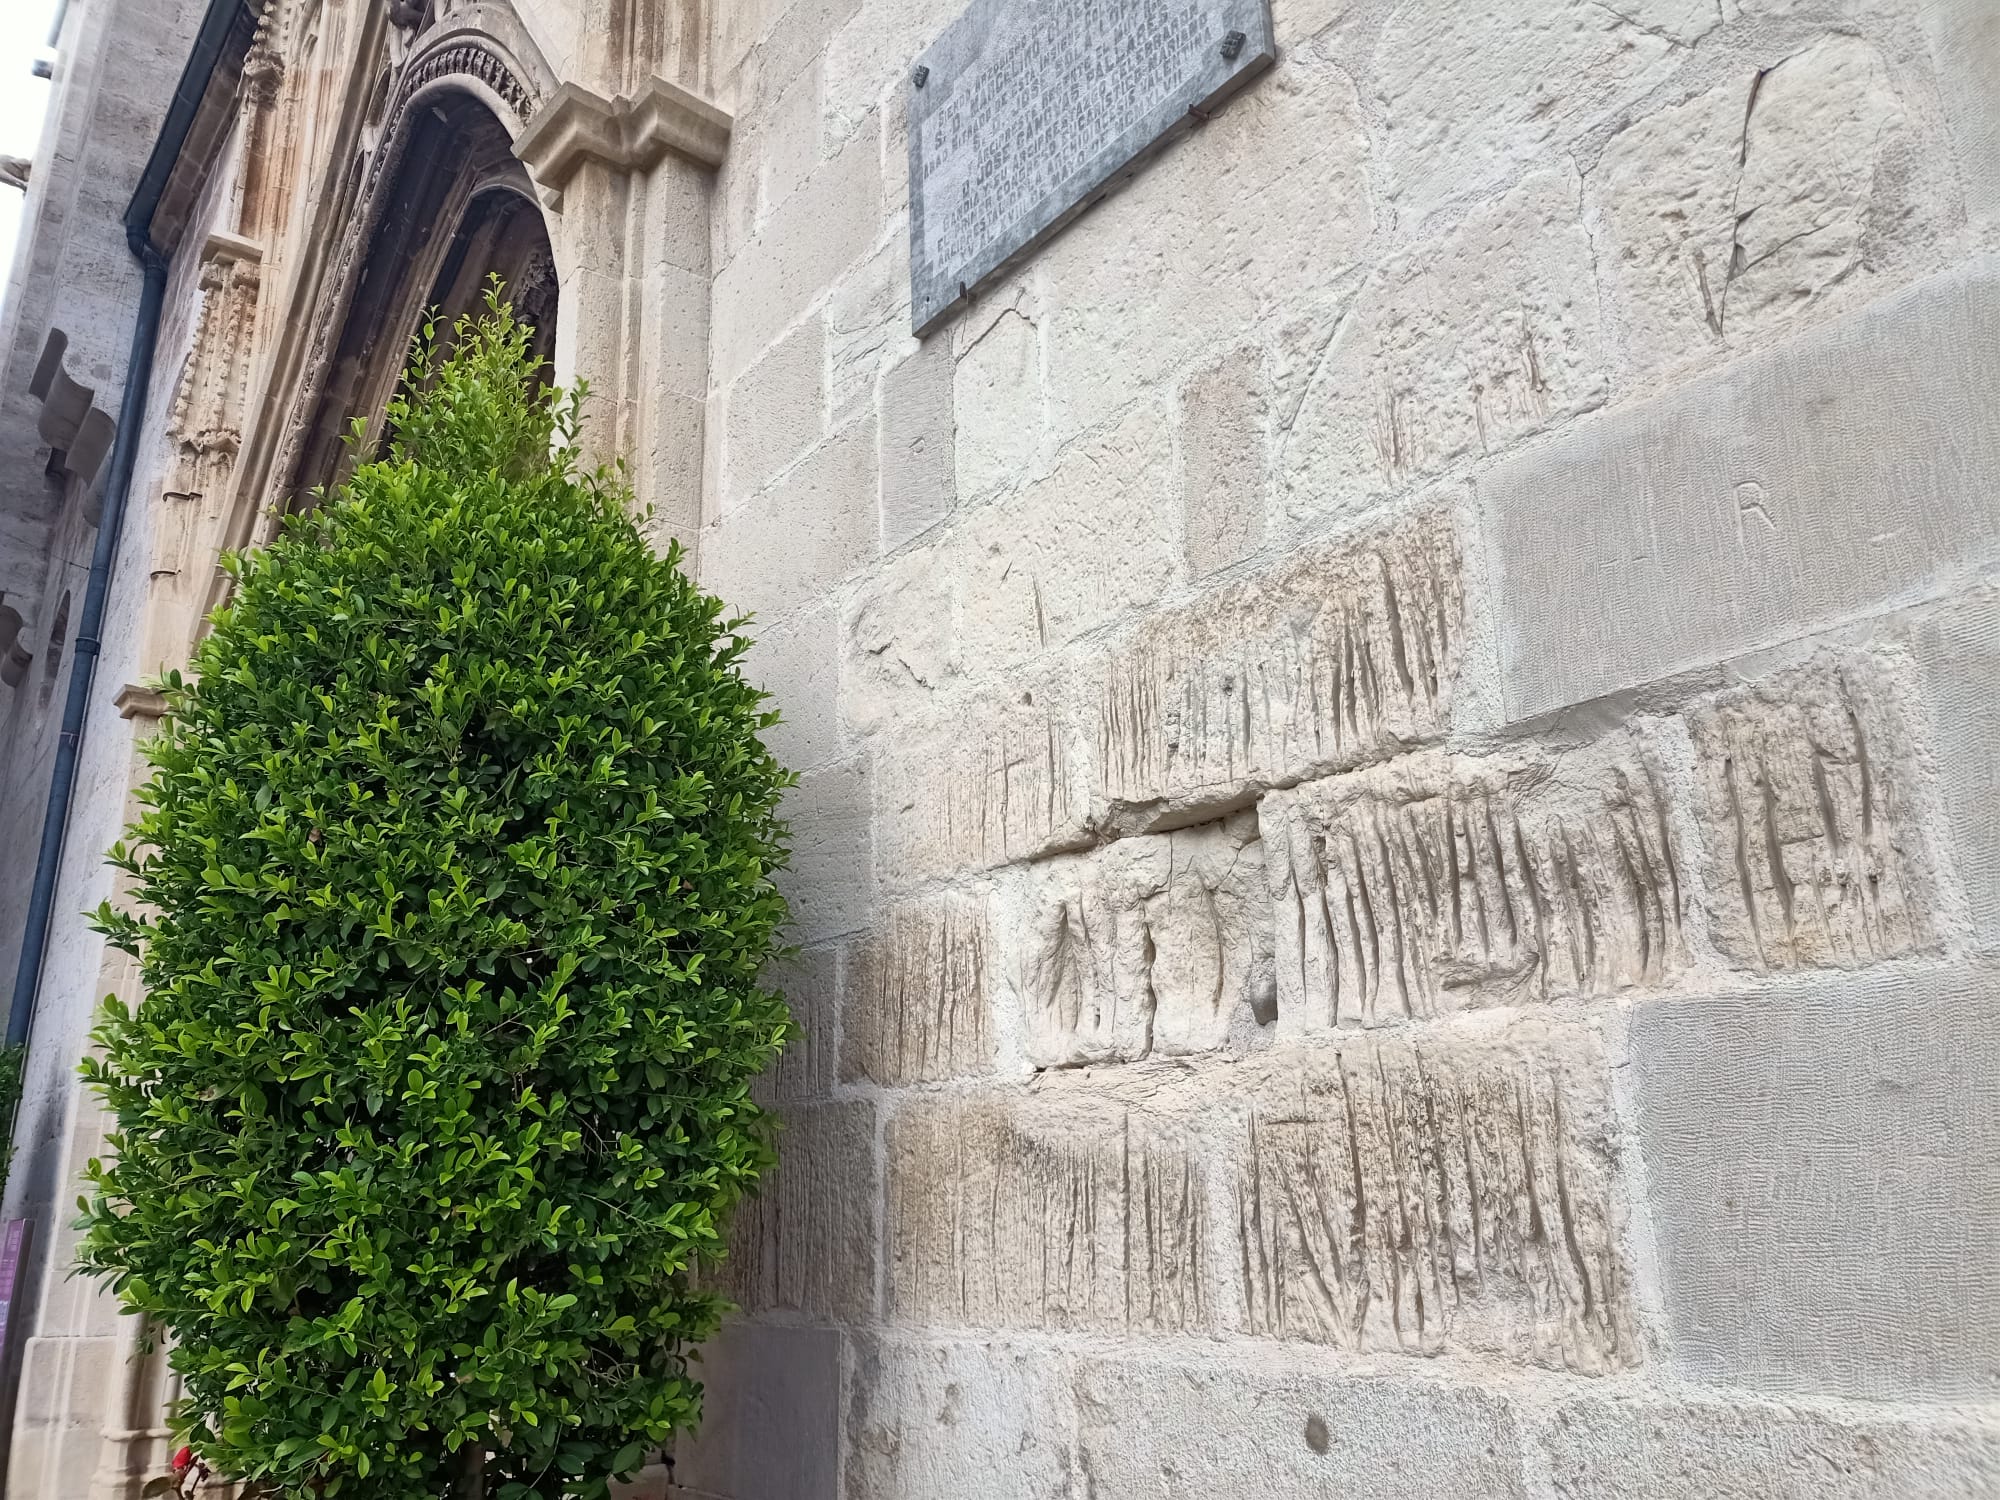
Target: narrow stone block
{"x":1435,"y":884}
{"x":1006,"y":1215}
{"x":1154,"y":945}
{"x":757,"y":1382}
{"x":805,"y":1069}
{"x":1441,"y":1195}
{"x":1822,"y":1163}
{"x":1222,"y":441}
{"x":1965,"y":46}
{"x":1345,"y":653}
{"x":1806,"y":783}
{"x":919,"y":431}
{"x":1958,"y":655}
{"x":830,"y":883}
{"x":806,"y":1242}
{"x":1803,"y":484}
{"x":1201,"y":1431}
{"x":776,"y":411}
{"x":917,"y":1007}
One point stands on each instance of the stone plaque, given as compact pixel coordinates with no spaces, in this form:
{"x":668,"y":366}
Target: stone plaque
{"x":1026,"y":112}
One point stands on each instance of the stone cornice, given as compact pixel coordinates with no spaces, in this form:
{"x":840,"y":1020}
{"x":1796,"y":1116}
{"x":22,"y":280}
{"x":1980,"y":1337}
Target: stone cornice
{"x":137,"y":701}
{"x":630,"y":133}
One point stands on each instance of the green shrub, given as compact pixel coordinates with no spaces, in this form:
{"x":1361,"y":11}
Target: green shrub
{"x":457,"y":857}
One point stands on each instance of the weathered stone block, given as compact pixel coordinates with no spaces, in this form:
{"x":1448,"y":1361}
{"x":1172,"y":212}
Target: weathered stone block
{"x":797,"y":661}
{"x":1154,"y":945}
{"x":1821,"y":1163}
{"x":997,"y":386}
{"x":1003,"y":1214}
{"x":777,"y":410}
{"x":1965,"y":46}
{"x":806,"y":1242}
{"x":1807,"y":783}
{"x":830,"y":883}
{"x":1344,"y":653}
{"x":919,"y":475}
{"x":1737,"y":211}
{"x":1600,"y":1449}
{"x":1453,"y":349}
{"x":930,"y":1420}
{"x":801,"y":537}
{"x":1435,"y":884}
{"x":1222,"y":441}
{"x":1203,"y":1432}
{"x":806,"y":1069}
{"x":999,"y":781}
{"x":758,"y":1382}
{"x":898,"y":645}
{"x":1958,"y":657}
{"x":1800,"y":485}
{"x":1453,"y":1194}
{"x":867,"y":324}
{"x":917,"y":1005}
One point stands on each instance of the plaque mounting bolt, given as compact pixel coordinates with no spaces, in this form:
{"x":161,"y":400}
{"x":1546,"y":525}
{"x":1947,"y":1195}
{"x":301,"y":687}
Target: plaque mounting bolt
{"x":921,"y":77}
{"x":1232,"y":46}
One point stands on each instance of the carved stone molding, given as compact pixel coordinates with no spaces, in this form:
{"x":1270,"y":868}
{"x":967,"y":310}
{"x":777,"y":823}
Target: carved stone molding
{"x":137,"y":701}
{"x":630,"y":133}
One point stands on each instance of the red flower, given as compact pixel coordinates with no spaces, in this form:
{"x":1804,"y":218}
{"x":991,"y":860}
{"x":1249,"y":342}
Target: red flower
{"x":183,"y":1460}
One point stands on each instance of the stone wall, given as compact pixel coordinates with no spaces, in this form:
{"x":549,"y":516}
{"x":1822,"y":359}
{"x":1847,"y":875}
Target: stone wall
{"x":1397,"y":865}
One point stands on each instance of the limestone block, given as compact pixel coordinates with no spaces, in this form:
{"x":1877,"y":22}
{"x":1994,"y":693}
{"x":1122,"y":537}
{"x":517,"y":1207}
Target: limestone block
{"x":1803,"y":484}
{"x":1094,"y":539}
{"x":805,"y":1243}
{"x":987,"y":784}
{"x":927,"y":1420}
{"x":897,"y":642}
{"x":1222,"y":441}
{"x":1153,"y":945}
{"x":1822,"y":1162}
{"x":868,"y":61}
{"x":797,"y":661}
{"x":919,"y":448}
{"x":776,"y":411}
{"x":1446,"y":1194}
{"x":1806,"y":784}
{"x":1435,"y":884}
{"x":1965,"y":46}
{"x":868,"y":324}
{"x":1602,"y":1449}
{"x":758,"y":1383}
{"x":1958,"y":654}
{"x":802,"y":536}
{"x":830,"y":883}
{"x":1014,"y":1213}
{"x":1455,"y":348}
{"x":1470,"y":93}
{"x":1343,"y":653}
{"x":800,"y":250}
{"x":1736,"y":212}
{"x":997,"y":389}
{"x":1262,"y":212}
{"x":806,"y":1069}
{"x":1181,"y":1431}
{"x":917,"y":1003}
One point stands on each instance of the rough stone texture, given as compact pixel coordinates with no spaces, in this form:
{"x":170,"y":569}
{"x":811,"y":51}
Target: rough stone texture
{"x":831,"y":881}
{"x":1735,"y":212}
{"x":917,"y":1000}
{"x":1807,"y":784}
{"x":776,"y":411}
{"x":1007,"y":1214}
{"x":1457,"y":347}
{"x":1207,"y":1432}
{"x":997,"y":384}
{"x":898,"y":644}
{"x":1818,"y":479}
{"x":1157,"y":945}
{"x":804,"y":534}
{"x":927,"y":1420}
{"x":1222,"y":440}
{"x":805,"y":1243}
{"x":919,"y":474}
{"x":1965,"y":45}
{"x":1435,"y":883}
{"x":807,"y":1067}
{"x":1821,"y":1163}
{"x":1433,"y":1195}
{"x":1602,"y":1449}
{"x":797,"y":661}
{"x":1343,"y":653}
{"x":996,"y":782}
{"x":770,"y":1426}
{"x":1958,"y":654}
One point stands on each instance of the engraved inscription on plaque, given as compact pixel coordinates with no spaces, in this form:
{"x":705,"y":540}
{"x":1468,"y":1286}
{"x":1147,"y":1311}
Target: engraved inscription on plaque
{"x":1026,"y":112}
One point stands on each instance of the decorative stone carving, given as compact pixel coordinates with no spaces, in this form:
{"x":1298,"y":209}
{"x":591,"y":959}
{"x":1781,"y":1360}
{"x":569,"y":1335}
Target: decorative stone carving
{"x":631,"y":132}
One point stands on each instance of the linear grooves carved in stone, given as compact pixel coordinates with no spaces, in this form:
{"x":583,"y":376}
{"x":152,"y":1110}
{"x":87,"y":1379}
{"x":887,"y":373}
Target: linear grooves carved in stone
{"x":917,"y":1006}
{"x":1048,"y":1220}
{"x":1154,"y":944}
{"x":805,"y":1242}
{"x":1809,"y":845}
{"x":1328,"y":661}
{"x":994,"y":785}
{"x":1433,"y":885}
{"x":1423,"y":1200}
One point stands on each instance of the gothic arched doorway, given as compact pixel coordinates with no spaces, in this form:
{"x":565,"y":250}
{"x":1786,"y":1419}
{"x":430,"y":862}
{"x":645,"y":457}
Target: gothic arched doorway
{"x":459,"y":210}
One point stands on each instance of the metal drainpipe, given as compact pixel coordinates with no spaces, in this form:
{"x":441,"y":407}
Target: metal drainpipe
{"x":62,"y":788}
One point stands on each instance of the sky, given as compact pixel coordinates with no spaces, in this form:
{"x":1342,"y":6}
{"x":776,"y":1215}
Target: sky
{"x":24,"y":35}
